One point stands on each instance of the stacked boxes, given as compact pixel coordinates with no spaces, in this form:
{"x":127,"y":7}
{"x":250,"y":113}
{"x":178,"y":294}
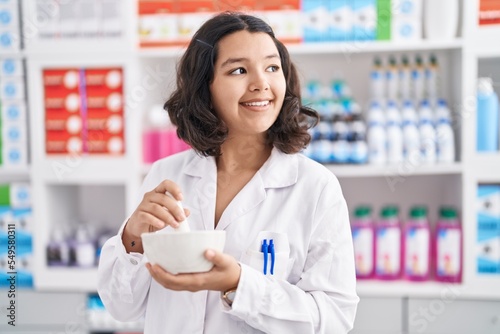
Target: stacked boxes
{"x":9,"y":25}
{"x":13,"y":123}
{"x":16,"y":229}
{"x":84,"y":111}
{"x":406,"y":22}
{"x":488,"y":229}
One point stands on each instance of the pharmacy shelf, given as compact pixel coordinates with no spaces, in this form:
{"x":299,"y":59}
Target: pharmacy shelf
{"x":18,"y":171}
{"x":330,"y":48}
{"x":482,"y":42}
{"x":486,"y":167}
{"x":12,"y":54}
{"x":402,"y":169}
{"x":67,"y":279}
{"x":399,"y":288}
{"x":85,"y":170}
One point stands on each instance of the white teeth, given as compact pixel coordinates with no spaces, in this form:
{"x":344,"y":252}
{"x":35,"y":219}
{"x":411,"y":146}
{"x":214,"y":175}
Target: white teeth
{"x":257,"y":104}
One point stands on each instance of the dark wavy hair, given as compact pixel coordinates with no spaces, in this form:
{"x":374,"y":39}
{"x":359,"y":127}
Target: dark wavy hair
{"x":189,"y":106}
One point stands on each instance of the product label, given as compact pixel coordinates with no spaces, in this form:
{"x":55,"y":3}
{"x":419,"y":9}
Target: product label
{"x":448,"y":252}
{"x":363,"y":250}
{"x":417,"y":252}
{"x":489,"y":12}
{"x":388,"y":251}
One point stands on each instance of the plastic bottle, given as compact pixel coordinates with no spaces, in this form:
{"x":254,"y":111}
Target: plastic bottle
{"x":442,"y":112}
{"x":427,"y":134}
{"x":357,"y":140}
{"x":83,"y":248}
{"x":487,"y":116}
{"x":155,"y":123}
{"x":418,"y":78}
{"x":58,"y":249}
{"x":364,"y":242}
{"x":416,"y":245}
{"x":445,"y":137}
{"x":448,"y":246}
{"x":322,"y":147}
{"x":394,"y":134}
{"x":411,"y":135}
{"x":432,"y":79}
{"x":376,"y":135}
{"x":377,"y":80}
{"x":391,"y":76}
{"x":405,"y":79}
{"x":340,"y":146}
{"x":388,"y":244}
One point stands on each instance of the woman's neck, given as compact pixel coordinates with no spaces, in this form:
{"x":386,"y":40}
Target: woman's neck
{"x":240,"y":154}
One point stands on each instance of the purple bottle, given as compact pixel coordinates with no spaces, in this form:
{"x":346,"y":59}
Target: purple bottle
{"x":417,"y":243}
{"x":364,"y":242}
{"x":388,"y":244}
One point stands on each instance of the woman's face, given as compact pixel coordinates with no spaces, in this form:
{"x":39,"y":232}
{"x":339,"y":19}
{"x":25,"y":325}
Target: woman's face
{"x":249,"y":85}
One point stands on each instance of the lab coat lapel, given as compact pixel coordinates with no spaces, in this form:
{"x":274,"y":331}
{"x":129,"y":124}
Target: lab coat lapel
{"x":280,"y":170}
{"x":204,"y":189}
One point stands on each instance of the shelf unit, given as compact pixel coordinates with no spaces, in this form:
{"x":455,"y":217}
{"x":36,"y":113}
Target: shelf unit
{"x":452,"y":183}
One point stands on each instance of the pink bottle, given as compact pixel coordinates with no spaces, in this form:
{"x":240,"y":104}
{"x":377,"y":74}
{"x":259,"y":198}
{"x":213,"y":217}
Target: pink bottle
{"x":416,"y":243}
{"x":388,"y":244}
{"x":363,"y":237}
{"x":448,"y":246}
{"x":156,"y":121}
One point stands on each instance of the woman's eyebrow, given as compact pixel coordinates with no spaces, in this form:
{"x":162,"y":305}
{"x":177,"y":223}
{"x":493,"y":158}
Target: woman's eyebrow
{"x":230,"y":61}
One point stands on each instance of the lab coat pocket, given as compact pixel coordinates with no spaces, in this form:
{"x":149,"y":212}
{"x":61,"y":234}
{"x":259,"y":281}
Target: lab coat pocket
{"x":276,"y":265}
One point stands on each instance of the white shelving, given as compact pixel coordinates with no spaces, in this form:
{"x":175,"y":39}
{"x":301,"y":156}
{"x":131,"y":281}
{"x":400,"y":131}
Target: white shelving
{"x":65,"y":185}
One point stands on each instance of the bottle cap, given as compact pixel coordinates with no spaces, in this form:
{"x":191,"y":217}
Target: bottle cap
{"x":362,"y":211}
{"x":419,"y":211}
{"x":389,"y":211}
{"x":447,"y":212}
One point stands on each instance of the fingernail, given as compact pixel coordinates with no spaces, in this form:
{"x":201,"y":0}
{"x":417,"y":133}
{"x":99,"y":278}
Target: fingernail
{"x":181,"y":217}
{"x":181,"y":197}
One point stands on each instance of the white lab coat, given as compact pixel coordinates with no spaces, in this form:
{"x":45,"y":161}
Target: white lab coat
{"x":291,"y":199}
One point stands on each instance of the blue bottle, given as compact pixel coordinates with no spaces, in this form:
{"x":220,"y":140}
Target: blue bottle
{"x":487,"y":116}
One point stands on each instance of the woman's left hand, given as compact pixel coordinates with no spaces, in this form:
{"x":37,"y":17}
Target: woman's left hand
{"x":223,"y":276}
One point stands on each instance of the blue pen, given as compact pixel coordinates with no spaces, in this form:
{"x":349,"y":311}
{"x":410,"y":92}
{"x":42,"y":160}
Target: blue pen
{"x":271,"y":250}
{"x":264,"y":250}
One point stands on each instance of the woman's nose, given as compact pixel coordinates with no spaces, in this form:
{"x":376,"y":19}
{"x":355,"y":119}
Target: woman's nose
{"x":258,"y":83}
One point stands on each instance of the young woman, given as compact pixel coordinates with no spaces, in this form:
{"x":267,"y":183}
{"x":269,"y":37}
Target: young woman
{"x":237,"y":103}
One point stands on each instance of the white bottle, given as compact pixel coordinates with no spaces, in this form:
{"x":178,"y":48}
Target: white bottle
{"x":405,"y":79}
{"x":376,"y":136}
{"x":432,"y":79}
{"x":377,"y":81}
{"x":411,"y":135}
{"x":394,"y":134}
{"x":442,"y":112}
{"x":427,"y":134}
{"x":391,"y":76}
{"x":418,"y":82}
{"x":445,"y":141}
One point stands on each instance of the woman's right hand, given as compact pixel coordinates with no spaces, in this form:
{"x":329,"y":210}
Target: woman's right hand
{"x":157,"y":209}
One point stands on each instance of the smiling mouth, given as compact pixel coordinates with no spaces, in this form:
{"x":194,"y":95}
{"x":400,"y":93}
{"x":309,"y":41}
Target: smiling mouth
{"x":257,"y":104}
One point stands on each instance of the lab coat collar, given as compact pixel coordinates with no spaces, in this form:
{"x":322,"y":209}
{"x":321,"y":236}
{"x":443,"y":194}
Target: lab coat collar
{"x":280,"y":170}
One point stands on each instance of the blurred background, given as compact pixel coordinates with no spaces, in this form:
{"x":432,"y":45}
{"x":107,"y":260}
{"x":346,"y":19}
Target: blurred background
{"x":407,"y":91}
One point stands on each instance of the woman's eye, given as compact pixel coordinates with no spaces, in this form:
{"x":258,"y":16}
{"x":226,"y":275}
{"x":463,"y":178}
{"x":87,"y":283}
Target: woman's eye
{"x":273,"y":68}
{"x":239,"y":70}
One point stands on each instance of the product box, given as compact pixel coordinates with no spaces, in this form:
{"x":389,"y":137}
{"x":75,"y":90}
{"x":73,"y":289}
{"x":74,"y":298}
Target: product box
{"x":316,"y":20}
{"x":488,"y":229}
{"x":284,"y":17}
{"x":192,"y":15}
{"x":384,"y":20}
{"x":364,"y":14}
{"x":406,"y":22}
{"x":11,"y":67}
{"x":14,"y":155}
{"x":13,"y":133}
{"x":341,"y":20}
{"x":12,"y":88}
{"x":13,"y":110}
{"x":61,"y":142}
{"x":158,"y":23}
{"x":489,"y":12}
